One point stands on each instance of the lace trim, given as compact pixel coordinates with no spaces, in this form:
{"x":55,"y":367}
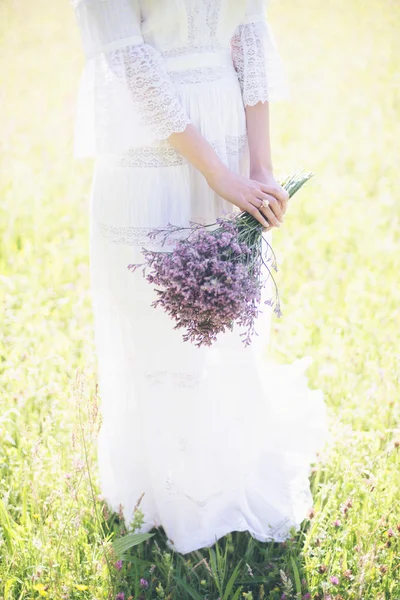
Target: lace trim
{"x":152,"y":90}
{"x":201,"y":75}
{"x":189,"y":49}
{"x":182,"y":379}
{"x":259,"y":66}
{"x":132,"y":236}
{"x":149,"y":157}
{"x":233,"y":144}
{"x":156,"y":157}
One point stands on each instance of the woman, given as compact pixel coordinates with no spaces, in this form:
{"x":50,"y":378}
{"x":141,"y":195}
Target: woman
{"x":174,"y":106}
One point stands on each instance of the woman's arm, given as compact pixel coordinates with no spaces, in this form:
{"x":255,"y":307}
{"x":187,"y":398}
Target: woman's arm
{"x":258,"y":133}
{"x":263,"y":79}
{"x":241,"y":191}
{"x":261,"y":168}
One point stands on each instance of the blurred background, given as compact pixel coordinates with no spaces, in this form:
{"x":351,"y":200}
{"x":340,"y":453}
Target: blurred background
{"x":339,"y":257}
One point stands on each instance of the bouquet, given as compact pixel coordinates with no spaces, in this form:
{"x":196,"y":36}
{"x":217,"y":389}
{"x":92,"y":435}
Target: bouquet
{"x":213,"y":277}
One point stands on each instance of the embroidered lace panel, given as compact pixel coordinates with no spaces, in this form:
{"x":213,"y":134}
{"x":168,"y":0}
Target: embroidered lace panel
{"x":148,"y":157}
{"x":181,"y":379}
{"x":134,"y":236}
{"x":201,"y":75}
{"x":156,"y":157}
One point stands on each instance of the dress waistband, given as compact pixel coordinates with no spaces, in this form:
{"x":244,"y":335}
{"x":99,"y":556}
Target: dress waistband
{"x":197,"y":60}
{"x":180,"y":62}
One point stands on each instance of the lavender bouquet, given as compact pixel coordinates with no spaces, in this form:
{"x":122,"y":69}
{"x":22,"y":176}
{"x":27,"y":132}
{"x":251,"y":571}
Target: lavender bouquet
{"x":213,"y":277}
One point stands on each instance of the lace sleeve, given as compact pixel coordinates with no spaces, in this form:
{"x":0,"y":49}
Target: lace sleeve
{"x":142,"y":68}
{"x":261,"y":71}
{"x":125,"y":64}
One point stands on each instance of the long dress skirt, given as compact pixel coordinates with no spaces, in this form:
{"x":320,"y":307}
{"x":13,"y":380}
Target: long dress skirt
{"x":215,"y":439}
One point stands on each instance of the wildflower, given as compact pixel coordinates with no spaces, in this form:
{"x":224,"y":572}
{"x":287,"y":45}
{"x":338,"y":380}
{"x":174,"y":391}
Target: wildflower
{"x":120,"y":596}
{"x":118,"y":565}
{"x":39,"y":587}
{"x":337,"y":523}
{"x":334,"y":580}
{"x":311,"y":513}
{"x":78,"y":464}
{"x":322,"y":568}
{"x":383,"y":569}
{"x":144,"y":583}
{"x":347,"y":574}
{"x":390,"y":532}
{"x":345,"y":507}
{"x":80,"y":587}
{"x":307,"y":596}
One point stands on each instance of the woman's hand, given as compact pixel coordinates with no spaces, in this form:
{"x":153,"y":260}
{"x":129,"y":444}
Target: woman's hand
{"x":278,"y":196}
{"x":248,"y":194}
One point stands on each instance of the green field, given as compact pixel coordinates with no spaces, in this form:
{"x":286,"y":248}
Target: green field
{"x":339,"y":255}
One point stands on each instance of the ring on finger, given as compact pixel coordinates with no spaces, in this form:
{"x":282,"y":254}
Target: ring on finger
{"x":264,"y":203}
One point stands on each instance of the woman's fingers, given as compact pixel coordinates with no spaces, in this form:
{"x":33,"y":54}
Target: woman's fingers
{"x":253,"y":210}
{"x":271,"y":216}
{"x":274,"y":206}
{"x":268,"y":212}
{"x":278,"y":192}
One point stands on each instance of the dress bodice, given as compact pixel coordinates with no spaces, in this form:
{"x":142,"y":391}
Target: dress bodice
{"x":174,"y":27}
{"x":134,"y":47}
{"x":187,"y":26}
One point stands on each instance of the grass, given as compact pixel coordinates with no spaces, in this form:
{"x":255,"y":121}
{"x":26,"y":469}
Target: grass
{"x":339,"y":255}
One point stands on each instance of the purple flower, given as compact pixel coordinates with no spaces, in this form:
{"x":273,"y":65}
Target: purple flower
{"x":307,"y":596}
{"x":337,"y":523}
{"x":120,"y":596}
{"x":211,"y":279}
{"x":144,"y":583}
{"x":118,"y":565}
{"x":334,"y":580}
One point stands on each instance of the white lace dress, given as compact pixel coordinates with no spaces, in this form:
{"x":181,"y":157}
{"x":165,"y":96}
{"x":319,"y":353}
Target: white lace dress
{"x":219,"y":439}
